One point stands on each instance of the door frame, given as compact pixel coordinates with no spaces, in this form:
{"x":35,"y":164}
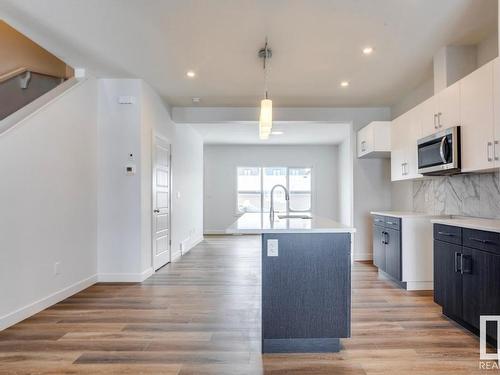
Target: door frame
{"x":154,"y":139}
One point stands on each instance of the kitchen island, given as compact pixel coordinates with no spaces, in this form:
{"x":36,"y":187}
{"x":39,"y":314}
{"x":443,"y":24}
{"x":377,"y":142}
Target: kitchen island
{"x":306,"y":281}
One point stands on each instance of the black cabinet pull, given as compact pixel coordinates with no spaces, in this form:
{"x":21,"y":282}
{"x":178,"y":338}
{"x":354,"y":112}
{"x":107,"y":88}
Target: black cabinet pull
{"x":383,"y":238}
{"x":386,"y":238}
{"x":458,"y":262}
{"x":446,"y":234}
{"x":389,"y":222}
{"x":480,"y":240}
{"x":465,"y":264}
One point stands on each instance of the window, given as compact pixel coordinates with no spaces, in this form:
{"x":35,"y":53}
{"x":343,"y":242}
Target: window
{"x":255,"y":184}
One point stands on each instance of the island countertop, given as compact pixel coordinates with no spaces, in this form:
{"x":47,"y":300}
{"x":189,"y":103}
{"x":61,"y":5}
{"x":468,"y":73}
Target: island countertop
{"x":258,"y":223}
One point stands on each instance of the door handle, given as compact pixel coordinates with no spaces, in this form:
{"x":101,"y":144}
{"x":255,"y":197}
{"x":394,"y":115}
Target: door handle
{"x":446,"y":234}
{"x":441,"y":150}
{"x":495,"y":155}
{"x":463,"y":269}
{"x":488,"y":149}
{"x":435,"y":117}
{"x":439,"y":120}
{"x":156,"y":211}
{"x":363,"y":143}
{"x":458,"y":262}
{"x":386,"y":238}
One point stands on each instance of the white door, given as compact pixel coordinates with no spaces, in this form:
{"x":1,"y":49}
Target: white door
{"x":476,"y":114}
{"x":412,"y":134}
{"x":428,"y":116}
{"x":397,"y":148}
{"x":161,"y":203}
{"x":448,"y":107}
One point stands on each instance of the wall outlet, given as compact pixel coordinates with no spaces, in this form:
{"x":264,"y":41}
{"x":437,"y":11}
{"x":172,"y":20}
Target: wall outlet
{"x":272,"y":248}
{"x":57,"y":268}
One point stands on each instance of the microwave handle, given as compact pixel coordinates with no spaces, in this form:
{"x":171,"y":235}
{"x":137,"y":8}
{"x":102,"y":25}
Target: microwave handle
{"x":441,"y":149}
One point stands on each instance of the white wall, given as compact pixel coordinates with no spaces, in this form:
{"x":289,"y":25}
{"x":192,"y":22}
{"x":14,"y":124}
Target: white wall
{"x":187,"y":199}
{"x":125,"y":201}
{"x":220,"y":177}
{"x":48,"y":200}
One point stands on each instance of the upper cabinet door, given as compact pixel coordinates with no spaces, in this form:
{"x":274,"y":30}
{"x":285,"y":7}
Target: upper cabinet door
{"x":397,"y":148}
{"x":428,"y":116}
{"x":448,"y":107}
{"x":496,"y":109}
{"x":412,"y":133}
{"x":476,"y":113}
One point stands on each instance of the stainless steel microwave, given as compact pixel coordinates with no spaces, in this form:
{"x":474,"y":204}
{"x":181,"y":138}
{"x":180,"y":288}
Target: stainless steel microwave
{"x":439,"y":153}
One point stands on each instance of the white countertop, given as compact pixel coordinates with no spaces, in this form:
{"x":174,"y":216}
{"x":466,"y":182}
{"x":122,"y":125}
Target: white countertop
{"x":489,"y":225}
{"x":405,"y":214}
{"x":257,"y":223}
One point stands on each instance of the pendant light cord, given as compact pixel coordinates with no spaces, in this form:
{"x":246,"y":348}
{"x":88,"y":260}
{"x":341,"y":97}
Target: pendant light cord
{"x":266,"y":55}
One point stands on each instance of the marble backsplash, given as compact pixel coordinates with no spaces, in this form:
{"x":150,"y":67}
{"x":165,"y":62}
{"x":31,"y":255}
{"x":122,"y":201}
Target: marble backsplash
{"x":475,"y":195}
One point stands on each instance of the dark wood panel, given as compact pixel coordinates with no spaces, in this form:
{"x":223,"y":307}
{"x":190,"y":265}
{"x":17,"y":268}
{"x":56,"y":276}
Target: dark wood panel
{"x":481,"y":240}
{"x":448,"y":233}
{"x":393,"y":253}
{"x":447,"y":279}
{"x":379,"y":247}
{"x":306,"y":290}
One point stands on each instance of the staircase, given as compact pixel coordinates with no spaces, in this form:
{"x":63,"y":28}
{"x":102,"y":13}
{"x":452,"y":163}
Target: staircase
{"x":21,"y":86}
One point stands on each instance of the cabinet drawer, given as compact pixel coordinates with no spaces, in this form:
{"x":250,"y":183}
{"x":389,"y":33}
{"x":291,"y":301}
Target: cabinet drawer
{"x":448,"y":233}
{"x":378,"y":220}
{"x":481,"y":240}
{"x":392,"y":222}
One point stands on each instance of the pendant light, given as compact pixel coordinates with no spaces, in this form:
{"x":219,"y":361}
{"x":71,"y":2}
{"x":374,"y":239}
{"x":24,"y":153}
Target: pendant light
{"x":266,"y":105}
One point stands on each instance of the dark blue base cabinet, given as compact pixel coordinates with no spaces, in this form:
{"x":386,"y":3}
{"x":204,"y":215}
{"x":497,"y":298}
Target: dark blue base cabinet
{"x":467,"y":275}
{"x":306,"y":292}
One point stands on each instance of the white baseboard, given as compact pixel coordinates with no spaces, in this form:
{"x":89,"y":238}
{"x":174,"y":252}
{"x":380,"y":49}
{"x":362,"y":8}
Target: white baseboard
{"x":37,"y":306}
{"x":125,"y":277}
{"x":363,"y":256}
{"x":208,"y":232}
{"x":192,"y":244}
{"x":175,"y":256}
{"x":419,"y":285}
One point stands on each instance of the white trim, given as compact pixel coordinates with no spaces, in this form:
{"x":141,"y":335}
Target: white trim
{"x":37,"y":306}
{"x":125,"y":277}
{"x":419,"y":285}
{"x":363,"y":256}
{"x":176,"y":256}
{"x":209,"y":232}
{"x":193,"y":244}
{"x":38,"y":105}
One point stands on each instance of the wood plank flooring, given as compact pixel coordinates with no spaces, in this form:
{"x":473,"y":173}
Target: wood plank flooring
{"x":201,"y":315}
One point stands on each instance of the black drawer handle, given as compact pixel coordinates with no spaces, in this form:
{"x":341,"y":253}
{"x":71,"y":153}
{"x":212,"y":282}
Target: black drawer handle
{"x":378,"y":220}
{"x":479,"y":240}
{"x":463,"y":267}
{"x":446,"y":234}
{"x":458,"y":262}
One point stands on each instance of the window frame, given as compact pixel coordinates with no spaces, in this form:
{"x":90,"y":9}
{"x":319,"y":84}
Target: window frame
{"x":261,"y":192}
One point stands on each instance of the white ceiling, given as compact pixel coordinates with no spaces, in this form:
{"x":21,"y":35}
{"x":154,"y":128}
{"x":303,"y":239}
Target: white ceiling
{"x":316,"y":44}
{"x":303,"y":133}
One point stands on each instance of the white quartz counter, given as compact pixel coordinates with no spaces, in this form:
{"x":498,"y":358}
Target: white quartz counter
{"x":256,"y":223}
{"x":405,"y":214}
{"x":489,"y":225}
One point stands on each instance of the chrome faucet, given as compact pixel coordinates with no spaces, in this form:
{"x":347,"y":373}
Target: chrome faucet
{"x":287,"y":197}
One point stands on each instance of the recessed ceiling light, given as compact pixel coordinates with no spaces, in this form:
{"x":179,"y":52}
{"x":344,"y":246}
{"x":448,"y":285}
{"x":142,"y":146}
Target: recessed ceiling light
{"x":196,"y":100}
{"x":367,"y":50}
{"x":344,"y":83}
{"x":191,"y":74}
{"x":277,"y":132}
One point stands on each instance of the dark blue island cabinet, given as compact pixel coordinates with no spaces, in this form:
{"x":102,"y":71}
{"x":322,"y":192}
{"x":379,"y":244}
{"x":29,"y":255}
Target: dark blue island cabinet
{"x":467,"y":275}
{"x":306,"y":291}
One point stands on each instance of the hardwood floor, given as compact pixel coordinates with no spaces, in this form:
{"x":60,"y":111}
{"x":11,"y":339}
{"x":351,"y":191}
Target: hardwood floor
{"x":201,"y":315}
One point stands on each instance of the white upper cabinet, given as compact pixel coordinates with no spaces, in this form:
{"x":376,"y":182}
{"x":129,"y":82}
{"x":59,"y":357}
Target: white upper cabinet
{"x":496,"y":110}
{"x":476,"y":114}
{"x":428,"y":117}
{"x":397,"y":152}
{"x":448,"y":107}
{"x":374,"y":140}
{"x":441,"y":111}
{"x":405,"y":132}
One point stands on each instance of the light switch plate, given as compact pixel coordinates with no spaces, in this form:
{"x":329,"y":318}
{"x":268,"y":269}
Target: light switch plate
{"x":272,"y":248}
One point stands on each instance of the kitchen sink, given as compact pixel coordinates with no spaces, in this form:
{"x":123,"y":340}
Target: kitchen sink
{"x":294,"y":216}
